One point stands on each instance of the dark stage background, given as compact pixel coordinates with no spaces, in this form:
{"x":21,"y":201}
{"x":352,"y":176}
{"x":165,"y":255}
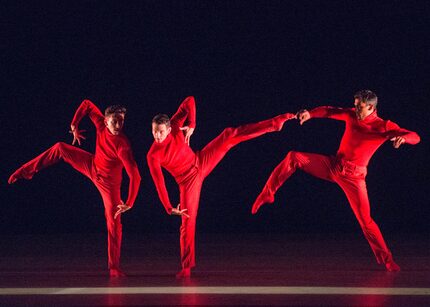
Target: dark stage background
{"x":244,"y":61}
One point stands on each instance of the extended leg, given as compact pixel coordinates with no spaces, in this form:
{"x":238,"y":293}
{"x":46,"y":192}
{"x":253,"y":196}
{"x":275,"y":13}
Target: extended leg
{"x":314,"y":164}
{"x":213,"y":152}
{"x":356,"y":192}
{"x":77,"y":158}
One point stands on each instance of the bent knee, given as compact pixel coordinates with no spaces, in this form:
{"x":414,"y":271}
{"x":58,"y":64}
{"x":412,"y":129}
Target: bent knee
{"x":295,"y":158}
{"x":229,"y":132}
{"x":62,"y":147}
{"x":59,"y":145}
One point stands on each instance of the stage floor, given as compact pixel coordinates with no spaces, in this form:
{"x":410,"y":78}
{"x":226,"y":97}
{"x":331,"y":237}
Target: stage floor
{"x":236,"y":269}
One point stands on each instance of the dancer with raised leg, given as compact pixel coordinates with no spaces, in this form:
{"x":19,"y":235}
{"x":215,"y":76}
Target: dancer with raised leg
{"x":364,"y":133}
{"x":104,"y":168}
{"x":171,"y":151}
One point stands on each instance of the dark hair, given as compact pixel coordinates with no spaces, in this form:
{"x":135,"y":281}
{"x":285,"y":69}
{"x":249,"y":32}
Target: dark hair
{"x":115,"y":109}
{"x":161,"y":119}
{"x":367,"y":96}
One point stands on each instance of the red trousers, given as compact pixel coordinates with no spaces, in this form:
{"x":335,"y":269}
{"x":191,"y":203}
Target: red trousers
{"x":350,"y":177}
{"x":83,"y":162}
{"x":190,"y":183}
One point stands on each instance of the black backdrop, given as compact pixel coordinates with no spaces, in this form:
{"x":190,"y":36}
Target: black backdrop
{"x":244,"y":61}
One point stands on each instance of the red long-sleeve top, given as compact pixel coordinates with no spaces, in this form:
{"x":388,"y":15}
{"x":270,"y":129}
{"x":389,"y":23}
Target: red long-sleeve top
{"x":173,"y":153}
{"x":113,"y":152}
{"x":363,"y":137}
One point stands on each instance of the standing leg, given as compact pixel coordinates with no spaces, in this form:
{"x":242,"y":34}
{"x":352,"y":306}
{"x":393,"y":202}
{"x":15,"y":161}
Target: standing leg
{"x":213,"y":152}
{"x":314,"y":164}
{"x":356,"y":192}
{"x":189,"y":199}
{"x":111,"y":199}
{"x":79,"y":159}
{"x":83,"y":162}
{"x":209,"y":157}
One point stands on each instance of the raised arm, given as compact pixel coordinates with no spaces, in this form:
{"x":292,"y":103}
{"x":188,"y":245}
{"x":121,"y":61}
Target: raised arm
{"x":401,"y":136}
{"x":158,"y":178}
{"x":186,"y":114}
{"x":90,"y":109}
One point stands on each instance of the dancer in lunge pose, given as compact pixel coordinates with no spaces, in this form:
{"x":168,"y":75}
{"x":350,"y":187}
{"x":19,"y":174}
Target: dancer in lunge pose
{"x":364,"y":133}
{"x":171,"y":151}
{"x":104,"y":168}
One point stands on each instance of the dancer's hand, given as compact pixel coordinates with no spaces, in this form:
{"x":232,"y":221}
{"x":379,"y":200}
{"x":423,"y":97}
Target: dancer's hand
{"x":178,"y":211}
{"x":397,"y":141}
{"x":303,"y":115}
{"x":188,"y":132}
{"x":121,"y":208}
{"x":77,"y":135}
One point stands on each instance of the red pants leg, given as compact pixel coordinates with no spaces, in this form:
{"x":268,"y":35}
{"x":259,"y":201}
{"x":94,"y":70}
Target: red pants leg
{"x":79,"y":159}
{"x":314,"y":164}
{"x":213,"y":152}
{"x":355,"y":189}
{"x":111,"y":199}
{"x":208,"y":158}
{"x":356,"y":192}
{"x":189,"y":199}
{"x":82,"y":161}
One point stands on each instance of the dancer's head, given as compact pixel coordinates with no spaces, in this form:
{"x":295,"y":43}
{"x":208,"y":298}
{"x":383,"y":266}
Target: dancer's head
{"x":160,"y":127}
{"x":114,"y":118}
{"x":365,"y":102}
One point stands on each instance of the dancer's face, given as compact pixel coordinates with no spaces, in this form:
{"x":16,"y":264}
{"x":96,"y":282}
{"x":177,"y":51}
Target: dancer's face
{"x":361,"y":109}
{"x":160,"y":132}
{"x":114,"y":123}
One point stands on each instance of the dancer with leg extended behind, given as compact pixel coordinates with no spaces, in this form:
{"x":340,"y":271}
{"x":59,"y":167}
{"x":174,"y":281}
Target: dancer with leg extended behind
{"x":364,"y":133}
{"x":171,"y":151}
{"x":104,"y":168}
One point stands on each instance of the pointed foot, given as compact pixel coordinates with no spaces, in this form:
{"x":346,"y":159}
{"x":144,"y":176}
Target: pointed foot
{"x":281,"y":119}
{"x":18,"y":174}
{"x":184,"y":273}
{"x":12,"y":179}
{"x":116,"y":273}
{"x":264,"y":198}
{"x":391,"y":266}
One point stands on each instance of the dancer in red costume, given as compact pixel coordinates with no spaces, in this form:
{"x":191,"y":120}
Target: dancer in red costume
{"x":364,"y":133}
{"x":171,"y":150}
{"x":104,"y":168}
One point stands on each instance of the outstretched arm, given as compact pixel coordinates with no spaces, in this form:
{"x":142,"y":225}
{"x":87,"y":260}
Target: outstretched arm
{"x":85,"y":108}
{"x":401,"y":136}
{"x":322,"y":112}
